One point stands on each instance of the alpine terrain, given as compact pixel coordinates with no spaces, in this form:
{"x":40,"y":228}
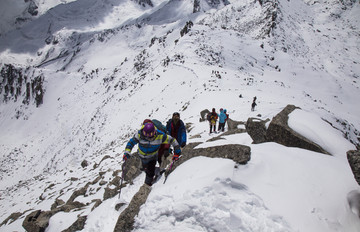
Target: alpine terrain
{"x":78,"y":78}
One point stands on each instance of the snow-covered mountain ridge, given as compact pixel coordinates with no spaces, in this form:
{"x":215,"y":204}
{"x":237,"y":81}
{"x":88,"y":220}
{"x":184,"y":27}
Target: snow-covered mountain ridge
{"x":107,"y":65}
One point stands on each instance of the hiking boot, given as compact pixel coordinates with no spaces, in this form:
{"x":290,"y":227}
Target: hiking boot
{"x":149,"y":180}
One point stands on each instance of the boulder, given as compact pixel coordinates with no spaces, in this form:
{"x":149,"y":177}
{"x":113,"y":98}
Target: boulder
{"x":353,"y":157}
{"x":256,"y":129}
{"x":37,"y":221}
{"x":280,"y":132}
{"x":236,"y":152}
{"x":84,"y":163}
{"x":232,"y":124}
{"x":203,"y":115}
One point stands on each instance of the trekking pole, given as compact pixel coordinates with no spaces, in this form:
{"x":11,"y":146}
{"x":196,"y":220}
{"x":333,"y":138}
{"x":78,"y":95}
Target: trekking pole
{"x":122,"y":176}
{"x":168,"y":170}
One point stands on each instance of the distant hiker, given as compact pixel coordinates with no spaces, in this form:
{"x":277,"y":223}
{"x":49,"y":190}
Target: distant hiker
{"x":253,"y":106}
{"x":222,"y":119}
{"x":149,"y":140}
{"x":227,"y":116}
{"x":176,"y":128}
{"x":212,"y":118}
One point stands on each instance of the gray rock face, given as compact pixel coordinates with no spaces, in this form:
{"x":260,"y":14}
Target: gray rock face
{"x":232,"y":124}
{"x":256,"y":129}
{"x":203,"y":115}
{"x":354,"y":161}
{"x":37,"y":221}
{"x":238,"y":153}
{"x":126,"y":219}
{"x":132,"y":168}
{"x":79,"y":224}
{"x":280,"y":132}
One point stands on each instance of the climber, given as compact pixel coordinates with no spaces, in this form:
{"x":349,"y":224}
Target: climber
{"x":227,"y":117}
{"x":222,"y":119}
{"x":212,"y":118}
{"x":164,"y":149}
{"x":253,"y":106}
{"x":149,"y":140}
{"x":176,"y":128}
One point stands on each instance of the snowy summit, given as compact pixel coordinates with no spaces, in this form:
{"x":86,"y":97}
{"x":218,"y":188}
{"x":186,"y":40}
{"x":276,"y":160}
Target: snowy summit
{"x":79,"y":77}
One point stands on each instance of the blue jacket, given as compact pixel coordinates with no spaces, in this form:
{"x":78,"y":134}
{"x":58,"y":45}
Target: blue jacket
{"x":222,"y":117}
{"x":181,"y":132}
{"x":148,"y":150}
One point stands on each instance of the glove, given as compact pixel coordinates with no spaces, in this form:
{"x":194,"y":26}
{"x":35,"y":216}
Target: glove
{"x":183,"y":145}
{"x":126,"y":156}
{"x":176,"y":157}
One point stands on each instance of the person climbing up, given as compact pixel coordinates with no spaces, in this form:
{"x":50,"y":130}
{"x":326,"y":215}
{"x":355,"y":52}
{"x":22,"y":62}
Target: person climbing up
{"x":164,"y":149}
{"x":222,"y":119}
{"x":149,"y":140}
{"x":212,"y":118}
{"x":176,"y":128}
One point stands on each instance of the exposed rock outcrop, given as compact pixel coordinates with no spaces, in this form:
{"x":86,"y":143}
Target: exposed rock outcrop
{"x":232,"y":124}
{"x":203,"y":115}
{"x":77,"y":225}
{"x":239,"y":153}
{"x":126,"y":219}
{"x":16,"y":83}
{"x":353,"y":157}
{"x":280,"y":132}
{"x":13,"y":217}
{"x":37,"y":221}
{"x":256,"y":129}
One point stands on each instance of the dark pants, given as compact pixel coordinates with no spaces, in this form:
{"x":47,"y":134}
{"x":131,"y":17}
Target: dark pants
{"x":150,"y":171}
{"x":221,"y":126}
{"x":211,"y":127}
{"x":163,"y":151}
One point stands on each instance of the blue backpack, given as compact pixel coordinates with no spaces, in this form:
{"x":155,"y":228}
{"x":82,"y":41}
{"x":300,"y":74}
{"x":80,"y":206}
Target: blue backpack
{"x":159,"y":125}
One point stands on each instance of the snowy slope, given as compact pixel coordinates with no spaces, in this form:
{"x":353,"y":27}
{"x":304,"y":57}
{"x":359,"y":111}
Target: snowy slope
{"x":110,"y":64}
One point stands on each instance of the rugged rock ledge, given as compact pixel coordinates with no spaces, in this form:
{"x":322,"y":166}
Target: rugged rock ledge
{"x":239,"y":153}
{"x":278,"y":131}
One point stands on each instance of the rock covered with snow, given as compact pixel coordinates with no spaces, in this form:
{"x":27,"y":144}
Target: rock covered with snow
{"x":280,"y":132}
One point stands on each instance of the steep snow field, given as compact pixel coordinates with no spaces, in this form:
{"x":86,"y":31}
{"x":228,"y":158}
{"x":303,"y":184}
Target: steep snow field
{"x":108,"y":65}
